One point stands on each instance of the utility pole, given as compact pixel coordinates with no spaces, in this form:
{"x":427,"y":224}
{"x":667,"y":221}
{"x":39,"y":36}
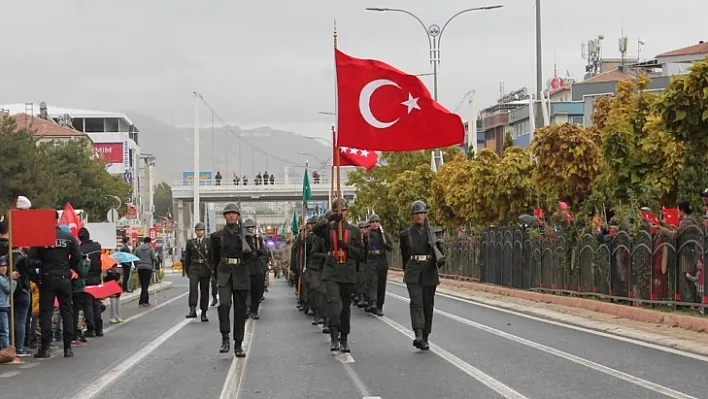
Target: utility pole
{"x":195,"y":179}
{"x":539,"y":60}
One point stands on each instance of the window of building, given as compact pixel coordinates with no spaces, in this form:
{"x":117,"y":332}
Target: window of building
{"x":577,"y":120}
{"x":112,"y":125}
{"x":78,"y":124}
{"x":94,"y":125}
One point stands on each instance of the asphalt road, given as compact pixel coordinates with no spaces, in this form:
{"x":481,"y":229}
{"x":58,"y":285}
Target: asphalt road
{"x":477,"y":352}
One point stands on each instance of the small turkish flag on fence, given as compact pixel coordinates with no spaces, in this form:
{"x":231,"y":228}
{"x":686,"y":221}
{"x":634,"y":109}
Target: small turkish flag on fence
{"x":383,"y":109}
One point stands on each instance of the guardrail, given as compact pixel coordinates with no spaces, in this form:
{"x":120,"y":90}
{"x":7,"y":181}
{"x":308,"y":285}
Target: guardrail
{"x":638,"y":268}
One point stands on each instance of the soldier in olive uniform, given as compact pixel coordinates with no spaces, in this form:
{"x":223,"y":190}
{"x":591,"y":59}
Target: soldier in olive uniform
{"x":420,"y":273}
{"x":340,"y":272}
{"x":197,"y":268}
{"x":315,"y":262}
{"x":229,"y":251}
{"x":255,"y":266}
{"x":304,"y":255}
{"x":377,"y":242}
{"x":360,"y":299}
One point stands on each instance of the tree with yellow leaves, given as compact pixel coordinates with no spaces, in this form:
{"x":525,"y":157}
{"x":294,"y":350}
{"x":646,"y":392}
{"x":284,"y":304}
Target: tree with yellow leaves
{"x":567,"y":161}
{"x":514,"y":190}
{"x":409,"y":186}
{"x":449,"y":201}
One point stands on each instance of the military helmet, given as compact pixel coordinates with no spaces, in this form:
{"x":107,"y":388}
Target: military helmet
{"x":335,"y":205}
{"x":231,"y":207}
{"x":363,"y":224}
{"x":249,"y":223}
{"x":374,"y":218}
{"x":328,"y":214}
{"x":418,"y":207}
{"x":199,"y":226}
{"x":321,"y":218}
{"x":312,"y":219}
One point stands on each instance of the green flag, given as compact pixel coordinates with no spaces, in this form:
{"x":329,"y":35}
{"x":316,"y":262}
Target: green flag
{"x":293,"y":226}
{"x":306,"y":190}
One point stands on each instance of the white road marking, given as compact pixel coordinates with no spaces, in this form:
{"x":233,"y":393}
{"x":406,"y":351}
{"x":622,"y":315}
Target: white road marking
{"x":470,"y":370}
{"x":28,"y":365}
{"x":235,"y":378}
{"x":345,"y":357}
{"x":565,"y":355}
{"x":9,"y":374}
{"x":112,"y":375}
{"x":148,"y":311}
{"x":666,"y":349}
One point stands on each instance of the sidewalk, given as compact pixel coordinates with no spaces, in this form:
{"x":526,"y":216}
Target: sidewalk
{"x":669,"y":329}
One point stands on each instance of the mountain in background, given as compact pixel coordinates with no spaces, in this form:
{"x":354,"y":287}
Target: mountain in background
{"x":219,"y":151}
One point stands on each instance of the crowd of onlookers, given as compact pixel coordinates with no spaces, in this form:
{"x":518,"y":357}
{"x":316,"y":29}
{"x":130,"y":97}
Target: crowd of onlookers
{"x":21,"y":289}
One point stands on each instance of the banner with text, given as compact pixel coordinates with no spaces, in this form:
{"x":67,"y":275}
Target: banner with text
{"x":110,"y":152}
{"x":204,"y":178}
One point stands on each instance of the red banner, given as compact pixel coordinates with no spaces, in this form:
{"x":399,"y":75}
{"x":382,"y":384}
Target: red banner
{"x":111,"y":152}
{"x":33,"y":227}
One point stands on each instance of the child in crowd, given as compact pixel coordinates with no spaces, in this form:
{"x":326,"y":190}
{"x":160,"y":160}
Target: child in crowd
{"x":7,"y":286}
{"x":114,"y":314}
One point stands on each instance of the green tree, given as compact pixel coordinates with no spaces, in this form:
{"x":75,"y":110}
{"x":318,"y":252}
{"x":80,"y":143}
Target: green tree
{"x":683,"y":109}
{"x":52,"y":175}
{"x":410,"y":186}
{"x":480,"y":194}
{"x":567,"y":161}
{"x":449,"y":204}
{"x":23,"y":165}
{"x":163,"y":199}
{"x":508,"y":140}
{"x":514,"y":192}
{"x":78,"y":177}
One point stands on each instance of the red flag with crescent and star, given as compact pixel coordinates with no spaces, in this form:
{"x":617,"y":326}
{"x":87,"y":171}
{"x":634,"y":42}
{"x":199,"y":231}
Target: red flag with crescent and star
{"x":356,"y":157}
{"x":383,"y":109}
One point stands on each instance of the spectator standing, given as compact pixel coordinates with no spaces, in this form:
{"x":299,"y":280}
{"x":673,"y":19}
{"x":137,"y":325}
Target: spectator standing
{"x":127,"y":267}
{"x":7,"y":286}
{"x":114,"y":312}
{"x":92,"y":310}
{"x":146,"y":267}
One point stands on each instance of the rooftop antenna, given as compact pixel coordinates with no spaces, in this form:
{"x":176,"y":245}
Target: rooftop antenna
{"x":592,"y":52}
{"x":623,"y":47}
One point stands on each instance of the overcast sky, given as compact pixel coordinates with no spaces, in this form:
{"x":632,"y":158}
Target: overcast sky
{"x":270,"y":62}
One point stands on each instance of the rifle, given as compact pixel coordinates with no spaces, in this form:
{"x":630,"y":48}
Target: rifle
{"x":245,"y":248}
{"x":437,"y":255}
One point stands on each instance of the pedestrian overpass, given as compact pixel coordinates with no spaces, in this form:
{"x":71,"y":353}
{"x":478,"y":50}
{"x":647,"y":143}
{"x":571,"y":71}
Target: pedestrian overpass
{"x":280,"y":190}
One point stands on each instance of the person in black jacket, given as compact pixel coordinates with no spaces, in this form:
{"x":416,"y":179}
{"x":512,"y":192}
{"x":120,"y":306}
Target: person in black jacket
{"x":92,"y":306}
{"x":55,"y":264}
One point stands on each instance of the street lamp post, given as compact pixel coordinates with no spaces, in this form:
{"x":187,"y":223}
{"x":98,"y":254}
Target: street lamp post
{"x":434,"y":34}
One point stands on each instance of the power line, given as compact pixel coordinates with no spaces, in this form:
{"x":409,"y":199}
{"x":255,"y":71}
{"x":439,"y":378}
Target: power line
{"x":238,"y":135}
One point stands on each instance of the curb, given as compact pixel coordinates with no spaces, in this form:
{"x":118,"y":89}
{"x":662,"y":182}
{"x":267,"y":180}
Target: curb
{"x":161,"y":286}
{"x":648,"y":316}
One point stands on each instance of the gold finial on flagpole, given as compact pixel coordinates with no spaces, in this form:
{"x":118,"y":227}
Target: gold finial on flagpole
{"x":335,"y":33}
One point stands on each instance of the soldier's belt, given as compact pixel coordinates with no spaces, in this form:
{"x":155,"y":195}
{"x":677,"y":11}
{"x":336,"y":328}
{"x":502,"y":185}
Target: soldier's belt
{"x":333,"y":253}
{"x":375,"y":252}
{"x":198,"y":261}
{"x":232,"y":261}
{"x":421,"y":258}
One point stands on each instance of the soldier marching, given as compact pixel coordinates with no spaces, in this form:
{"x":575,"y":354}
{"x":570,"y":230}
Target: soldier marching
{"x":197,"y":267}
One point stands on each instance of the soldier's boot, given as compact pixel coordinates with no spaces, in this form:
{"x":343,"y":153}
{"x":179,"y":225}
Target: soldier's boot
{"x":344,"y":344}
{"x":192,"y":313}
{"x":379,"y":312}
{"x":255,"y":316}
{"x":372,"y":307}
{"x":316,"y":319}
{"x":424,"y":345}
{"x":204,"y":317}
{"x":334,"y":339}
{"x":43,"y":352}
{"x":225,"y":344}
{"x":418,"y":338}
{"x":305,"y":309}
{"x":325,"y":325}
{"x":68,"y":352}
{"x":214,"y":301}
{"x":238,"y":350}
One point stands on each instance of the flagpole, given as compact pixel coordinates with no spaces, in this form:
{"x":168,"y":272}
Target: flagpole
{"x":10,"y":265}
{"x":331,"y":172}
{"x":340,"y":235}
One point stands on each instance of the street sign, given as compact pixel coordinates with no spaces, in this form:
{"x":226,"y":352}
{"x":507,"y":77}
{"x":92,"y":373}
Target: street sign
{"x":128,"y":177}
{"x":130,"y":197}
{"x":112,"y":215}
